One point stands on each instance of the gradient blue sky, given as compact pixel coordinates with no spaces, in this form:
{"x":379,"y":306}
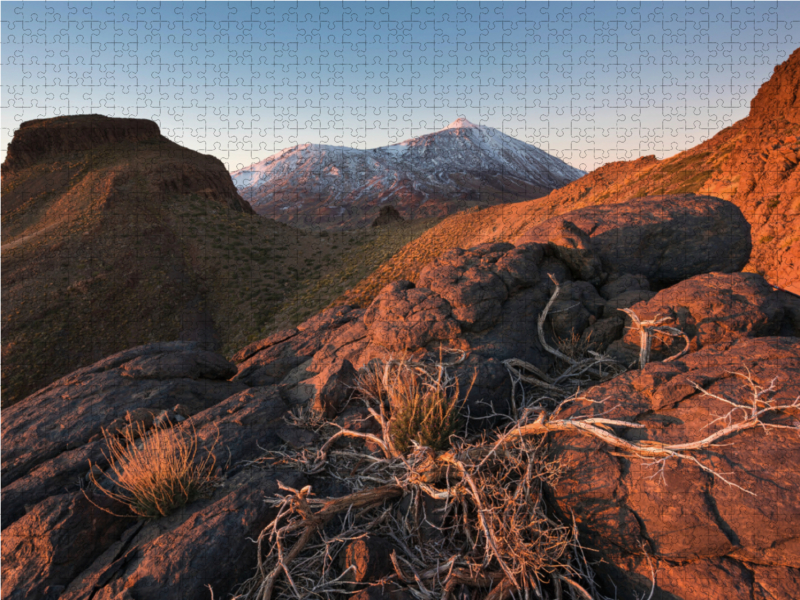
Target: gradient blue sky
{"x":588,"y":82}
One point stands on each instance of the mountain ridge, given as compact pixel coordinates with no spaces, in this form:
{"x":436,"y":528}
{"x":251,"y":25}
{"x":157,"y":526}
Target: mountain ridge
{"x":459,"y":166}
{"x":111,"y":238}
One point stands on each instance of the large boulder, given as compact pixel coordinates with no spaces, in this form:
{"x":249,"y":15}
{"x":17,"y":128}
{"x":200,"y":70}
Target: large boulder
{"x":665,"y":238}
{"x":403,"y":317}
{"x":465,"y":279}
{"x":719,"y":528}
{"x":711,"y":308}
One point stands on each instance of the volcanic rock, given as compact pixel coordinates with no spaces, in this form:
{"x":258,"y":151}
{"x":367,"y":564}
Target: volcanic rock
{"x":712,"y":308}
{"x":387,"y":216}
{"x":663,"y":238}
{"x":464,"y":279}
{"x":621,"y":283}
{"x":55,"y":541}
{"x":471,"y":309}
{"x":686,"y":519}
{"x":73,"y":410}
{"x":334,"y":386}
{"x":404,"y":317}
{"x":275,"y":360}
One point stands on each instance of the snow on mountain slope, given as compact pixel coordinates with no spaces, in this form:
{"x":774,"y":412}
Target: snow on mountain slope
{"x":460,"y":166}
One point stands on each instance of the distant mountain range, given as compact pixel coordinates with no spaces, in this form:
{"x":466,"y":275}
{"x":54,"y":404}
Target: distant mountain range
{"x":460,"y":166}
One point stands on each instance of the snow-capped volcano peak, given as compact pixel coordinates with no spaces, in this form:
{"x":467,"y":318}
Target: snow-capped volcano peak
{"x":436,"y":173}
{"x":462,"y":123}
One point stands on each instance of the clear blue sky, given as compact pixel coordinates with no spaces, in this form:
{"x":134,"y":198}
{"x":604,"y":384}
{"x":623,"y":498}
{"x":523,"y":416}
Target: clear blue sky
{"x":588,"y":82}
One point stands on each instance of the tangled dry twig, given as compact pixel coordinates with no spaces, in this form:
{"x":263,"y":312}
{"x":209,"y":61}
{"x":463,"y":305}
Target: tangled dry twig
{"x":579,"y":373}
{"x":655,"y":326}
{"x":494,"y":529}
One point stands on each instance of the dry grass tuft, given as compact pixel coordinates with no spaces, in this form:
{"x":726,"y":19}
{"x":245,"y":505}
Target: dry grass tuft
{"x":576,"y":346}
{"x":424,"y":402}
{"x":158,"y":474}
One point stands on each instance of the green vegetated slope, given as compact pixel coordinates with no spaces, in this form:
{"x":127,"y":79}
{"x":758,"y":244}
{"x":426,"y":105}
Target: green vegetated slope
{"x":113,"y":237}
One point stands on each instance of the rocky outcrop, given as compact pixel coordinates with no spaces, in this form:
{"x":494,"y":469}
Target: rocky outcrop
{"x":485,"y":300}
{"x":739,"y":536}
{"x":473,"y":309}
{"x":42,"y":138}
{"x":389,"y":215}
{"x":48,"y":439}
{"x":711,"y":308}
{"x":46,"y":465}
{"x":779,"y":97}
{"x":664,"y":238}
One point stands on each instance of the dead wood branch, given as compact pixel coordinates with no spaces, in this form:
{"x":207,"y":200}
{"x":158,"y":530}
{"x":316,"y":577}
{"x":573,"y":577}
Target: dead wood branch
{"x":495,"y":531}
{"x":580,"y":372}
{"x":646,"y":331}
{"x":298,"y":504}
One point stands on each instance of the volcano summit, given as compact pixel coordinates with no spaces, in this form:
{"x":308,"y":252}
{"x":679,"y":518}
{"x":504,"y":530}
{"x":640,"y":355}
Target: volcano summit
{"x":460,"y":166}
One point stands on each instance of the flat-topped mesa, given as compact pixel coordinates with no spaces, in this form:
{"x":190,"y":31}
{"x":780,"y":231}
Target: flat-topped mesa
{"x":167,"y":167}
{"x":37,"y":139}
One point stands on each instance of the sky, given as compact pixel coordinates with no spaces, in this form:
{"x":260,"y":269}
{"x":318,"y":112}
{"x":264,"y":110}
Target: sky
{"x":588,"y":82}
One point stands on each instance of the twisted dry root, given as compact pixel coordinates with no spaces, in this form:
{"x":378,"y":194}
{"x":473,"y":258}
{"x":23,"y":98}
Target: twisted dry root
{"x":496,"y":532}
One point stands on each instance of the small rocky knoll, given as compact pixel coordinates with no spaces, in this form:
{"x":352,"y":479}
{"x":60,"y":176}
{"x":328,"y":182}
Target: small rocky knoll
{"x":388,"y":215}
{"x":722,"y":516}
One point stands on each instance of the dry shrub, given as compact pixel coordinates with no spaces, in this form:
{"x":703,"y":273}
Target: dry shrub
{"x":576,"y":346}
{"x":423,"y":400}
{"x":160,"y":473}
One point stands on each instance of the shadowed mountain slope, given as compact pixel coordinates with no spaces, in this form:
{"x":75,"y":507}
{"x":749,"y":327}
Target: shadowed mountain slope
{"x":752,"y":163}
{"x":114,"y":236}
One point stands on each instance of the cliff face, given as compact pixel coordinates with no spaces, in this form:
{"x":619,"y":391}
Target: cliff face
{"x":779,"y":98}
{"x":753,"y":164}
{"x":112,"y":238}
{"x":48,"y":138}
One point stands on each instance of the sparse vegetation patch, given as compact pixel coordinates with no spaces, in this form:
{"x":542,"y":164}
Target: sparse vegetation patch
{"x":160,"y":472}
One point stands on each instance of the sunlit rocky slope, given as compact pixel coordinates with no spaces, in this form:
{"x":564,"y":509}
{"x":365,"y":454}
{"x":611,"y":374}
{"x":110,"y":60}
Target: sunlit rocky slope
{"x":753,"y":163}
